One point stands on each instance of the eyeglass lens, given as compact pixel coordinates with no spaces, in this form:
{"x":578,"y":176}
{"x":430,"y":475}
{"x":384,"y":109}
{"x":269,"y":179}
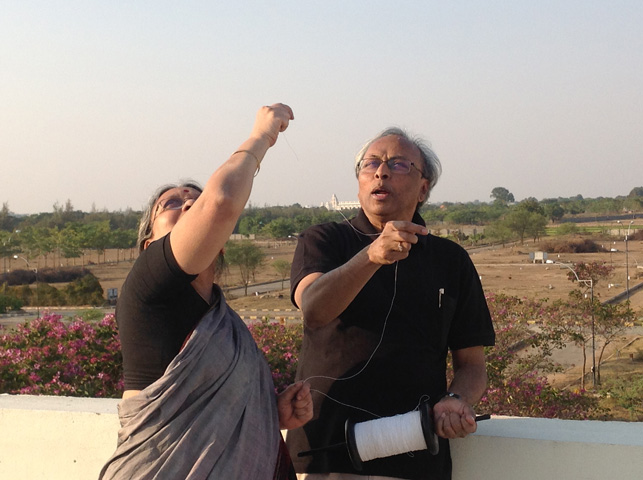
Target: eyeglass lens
{"x":396,"y":165}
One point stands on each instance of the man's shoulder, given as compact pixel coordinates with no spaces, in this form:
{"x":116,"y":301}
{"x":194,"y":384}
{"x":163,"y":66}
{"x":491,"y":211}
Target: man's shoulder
{"x":327,"y":228}
{"x":445,"y":245}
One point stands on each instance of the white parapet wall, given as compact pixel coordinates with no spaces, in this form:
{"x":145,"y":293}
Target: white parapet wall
{"x":511,"y":448}
{"x":55,"y":437}
{"x":67,"y":438}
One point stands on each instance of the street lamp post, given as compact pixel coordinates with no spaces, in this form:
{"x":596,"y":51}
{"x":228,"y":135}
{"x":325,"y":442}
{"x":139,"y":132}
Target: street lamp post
{"x":589,"y":282}
{"x":627,"y":260}
{"x":35,"y":269}
{"x":5,"y":252}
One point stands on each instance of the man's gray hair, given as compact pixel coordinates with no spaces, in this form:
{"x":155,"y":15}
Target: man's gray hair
{"x":145,"y":225}
{"x":431,"y":167}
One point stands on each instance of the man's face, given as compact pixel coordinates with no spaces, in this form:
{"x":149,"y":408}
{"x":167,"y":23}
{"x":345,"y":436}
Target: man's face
{"x":387,"y":193}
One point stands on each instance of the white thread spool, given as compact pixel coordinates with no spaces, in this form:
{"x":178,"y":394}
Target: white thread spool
{"x":389,"y":436}
{"x":384,"y":437}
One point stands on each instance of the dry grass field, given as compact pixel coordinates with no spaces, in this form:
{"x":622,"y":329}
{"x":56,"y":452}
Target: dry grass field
{"x":505,"y":269}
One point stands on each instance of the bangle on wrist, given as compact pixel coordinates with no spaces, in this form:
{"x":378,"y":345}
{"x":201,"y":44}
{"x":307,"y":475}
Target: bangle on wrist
{"x":253,"y":156}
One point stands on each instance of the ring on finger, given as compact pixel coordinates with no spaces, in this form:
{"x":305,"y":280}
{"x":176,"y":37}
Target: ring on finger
{"x":400,"y":247}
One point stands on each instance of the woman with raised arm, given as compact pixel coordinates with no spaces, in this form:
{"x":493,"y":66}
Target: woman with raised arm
{"x":199,"y":401}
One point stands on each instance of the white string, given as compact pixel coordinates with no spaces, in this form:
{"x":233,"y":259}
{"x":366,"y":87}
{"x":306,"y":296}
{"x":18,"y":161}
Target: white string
{"x":356,"y":230}
{"x":386,"y":436}
{"x":381,"y":339}
{"x":283,"y":134}
{"x":379,"y":343}
{"x":389,"y":436}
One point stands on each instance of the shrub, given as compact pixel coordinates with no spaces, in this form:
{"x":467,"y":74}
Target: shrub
{"x":85,"y":291}
{"x":567,"y":229}
{"x":533,"y":396}
{"x":627,"y":394}
{"x":572,"y":246}
{"x":50,"y":357}
{"x":281,"y":345}
{"x":9,"y":302}
{"x":48,"y":275}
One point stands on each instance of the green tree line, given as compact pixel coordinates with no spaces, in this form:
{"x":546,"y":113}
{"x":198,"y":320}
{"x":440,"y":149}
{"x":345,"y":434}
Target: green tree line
{"x":67,"y":233}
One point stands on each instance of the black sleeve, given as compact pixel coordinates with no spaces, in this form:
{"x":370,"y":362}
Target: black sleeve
{"x":471,"y":325}
{"x":313,"y":253}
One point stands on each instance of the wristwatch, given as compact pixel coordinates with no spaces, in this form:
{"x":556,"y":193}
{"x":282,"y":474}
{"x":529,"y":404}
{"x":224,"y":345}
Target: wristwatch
{"x":451,"y":395}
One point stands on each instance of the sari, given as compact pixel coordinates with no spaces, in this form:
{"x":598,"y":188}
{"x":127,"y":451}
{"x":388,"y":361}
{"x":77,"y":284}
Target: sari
{"x":212,"y":415}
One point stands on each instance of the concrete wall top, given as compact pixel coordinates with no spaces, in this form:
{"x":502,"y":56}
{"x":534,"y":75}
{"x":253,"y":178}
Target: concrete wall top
{"x":552,"y":429}
{"x":65,"y":438}
{"x":59,"y":404}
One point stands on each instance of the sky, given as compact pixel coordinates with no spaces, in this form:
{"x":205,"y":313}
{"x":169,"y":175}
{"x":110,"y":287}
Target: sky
{"x":102,"y":102}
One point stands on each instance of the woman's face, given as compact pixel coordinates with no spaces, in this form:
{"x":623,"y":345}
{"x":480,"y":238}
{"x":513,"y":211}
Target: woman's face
{"x":169,"y":208}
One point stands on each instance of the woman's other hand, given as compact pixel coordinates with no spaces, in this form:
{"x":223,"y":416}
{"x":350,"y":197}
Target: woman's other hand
{"x":295,"y":406}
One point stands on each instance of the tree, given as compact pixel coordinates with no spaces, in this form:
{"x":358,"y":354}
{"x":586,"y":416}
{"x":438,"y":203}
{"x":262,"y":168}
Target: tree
{"x":123,"y":239}
{"x":283,"y":269}
{"x":518,"y":221}
{"x":554,"y":211}
{"x":594,"y":271}
{"x":518,"y":363}
{"x":71,"y":245}
{"x":574,"y":319}
{"x":611,"y":323}
{"x":248,"y":225}
{"x":536,"y":227}
{"x":98,"y":237}
{"x":636,"y":192}
{"x":502,"y":195}
{"x":247,"y":256}
{"x":280,"y":228}
{"x":6,"y":220}
{"x":589,"y":274}
{"x":499,"y":232}
{"x":531,"y":205}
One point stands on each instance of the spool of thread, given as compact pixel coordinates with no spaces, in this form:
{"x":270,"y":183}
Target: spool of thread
{"x":384,"y":437}
{"x":389,"y":436}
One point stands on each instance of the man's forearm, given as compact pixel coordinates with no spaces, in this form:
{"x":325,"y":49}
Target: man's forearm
{"x":470,"y":374}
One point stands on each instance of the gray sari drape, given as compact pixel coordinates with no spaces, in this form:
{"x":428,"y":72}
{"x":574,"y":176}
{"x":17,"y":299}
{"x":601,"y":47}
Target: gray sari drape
{"x":213,"y":414}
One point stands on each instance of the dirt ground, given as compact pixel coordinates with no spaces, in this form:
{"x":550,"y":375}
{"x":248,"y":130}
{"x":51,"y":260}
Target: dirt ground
{"x":506,"y":270}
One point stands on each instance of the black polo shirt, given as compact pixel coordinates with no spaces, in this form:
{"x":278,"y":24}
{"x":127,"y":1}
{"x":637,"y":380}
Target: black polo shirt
{"x":419,"y":307}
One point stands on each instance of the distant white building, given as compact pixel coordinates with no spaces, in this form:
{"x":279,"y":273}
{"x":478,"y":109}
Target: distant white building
{"x":335,"y":204}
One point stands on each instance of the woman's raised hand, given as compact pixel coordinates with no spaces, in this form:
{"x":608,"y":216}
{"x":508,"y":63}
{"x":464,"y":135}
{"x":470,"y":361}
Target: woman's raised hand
{"x":270,"y":121}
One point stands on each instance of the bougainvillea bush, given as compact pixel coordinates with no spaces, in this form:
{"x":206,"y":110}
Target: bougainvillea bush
{"x":49,"y":356}
{"x":517,"y":365}
{"x":281,"y":345}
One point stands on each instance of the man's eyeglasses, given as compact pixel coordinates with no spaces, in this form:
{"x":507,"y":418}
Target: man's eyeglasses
{"x":395,"y":165}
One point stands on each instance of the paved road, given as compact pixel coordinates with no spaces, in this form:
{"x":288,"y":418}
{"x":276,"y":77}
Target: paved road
{"x":258,"y":288}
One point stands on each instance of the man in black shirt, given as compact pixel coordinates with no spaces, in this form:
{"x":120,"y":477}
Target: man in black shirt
{"x":383,"y":303}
